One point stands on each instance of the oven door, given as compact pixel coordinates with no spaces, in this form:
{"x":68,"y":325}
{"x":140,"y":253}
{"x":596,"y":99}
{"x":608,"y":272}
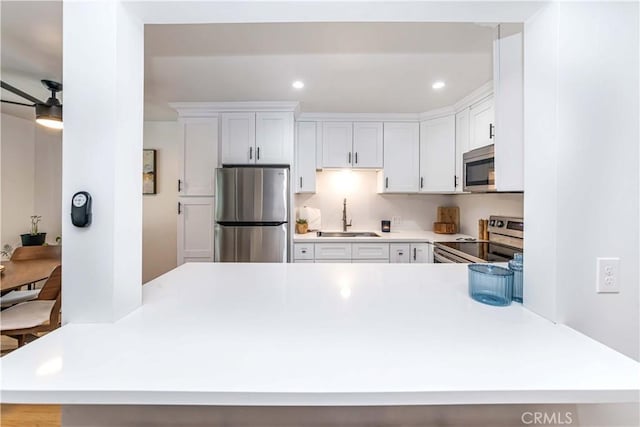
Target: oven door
{"x":479,"y":170}
{"x":443,"y":257}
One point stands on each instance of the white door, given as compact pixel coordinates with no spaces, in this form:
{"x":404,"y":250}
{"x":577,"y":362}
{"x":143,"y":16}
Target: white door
{"x":305,"y":166}
{"x":421,"y":253}
{"x":399,"y":253}
{"x":274,"y":138}
{"x":481,"y":123}
{"x":337,"y":142}
{"x":367,"y":145}
{"x":199,"y":152}
{"x":462,"y":144}
{"x":401,"y":158}
{"x":195,"y":229}
{"x":438,"y":155}
{"x":238,"y":138}
{"x":509,"y":150}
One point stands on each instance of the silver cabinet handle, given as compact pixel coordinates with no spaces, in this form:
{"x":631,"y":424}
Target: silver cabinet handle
{"x":386,"y":182}
{"x":491,"y":131}
{"x":349,"y":157}
{"x":250,"y":153}
{"x":304,"y":251}
{"x":179,"y":185}
{"x":400,"y":253}
{"x":356,"y":157}
{"x":257,"y":153}
{"x":300,"y":182}
{"x":414,"y":254}
{"x":421,"y":182}
{"x":179,"y":208}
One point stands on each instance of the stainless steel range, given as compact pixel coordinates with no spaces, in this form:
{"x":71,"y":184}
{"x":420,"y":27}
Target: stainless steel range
{"x":506,"y":237}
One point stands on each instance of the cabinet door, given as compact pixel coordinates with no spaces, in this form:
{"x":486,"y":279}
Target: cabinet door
{"x":274,"y":138}
{"x":332,"y":251}
{"x":401,"y":158}
{"x":421,"y":253}
{"x":238,"y":138}
{"x":399,"y":253}
{"x":509,"y":150}
{"x":481,"y":122}
{"x":462,"y":144}
{"x":305,"y":167}
{"x":337,"y":142}
{"x":195,"y":229}
{"x":199,"y":151}
{"x":437,"y":155}
{"x":367,"y":145}
{"x":303,"y":251}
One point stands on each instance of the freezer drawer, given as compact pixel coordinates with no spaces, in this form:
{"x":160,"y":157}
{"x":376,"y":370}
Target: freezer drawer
{"x":251,"y":243}
{"x":248,"y":194}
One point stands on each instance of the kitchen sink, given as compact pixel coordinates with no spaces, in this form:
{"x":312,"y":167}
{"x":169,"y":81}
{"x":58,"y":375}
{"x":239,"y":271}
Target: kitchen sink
{"x":347,"y":234}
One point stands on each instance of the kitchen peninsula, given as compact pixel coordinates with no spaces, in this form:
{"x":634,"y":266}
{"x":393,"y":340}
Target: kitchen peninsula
{"x":317,"y":335}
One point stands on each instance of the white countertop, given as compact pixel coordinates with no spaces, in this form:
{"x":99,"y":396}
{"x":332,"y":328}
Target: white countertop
{"x":317,"y":334}
{"x":391,"y":237}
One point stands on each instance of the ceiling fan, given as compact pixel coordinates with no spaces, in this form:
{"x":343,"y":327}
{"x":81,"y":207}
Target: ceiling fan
{"x":48,"y":113}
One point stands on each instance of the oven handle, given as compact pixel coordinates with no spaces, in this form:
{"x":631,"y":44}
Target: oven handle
{"x":442,"y":256}
{"x":437,"y":258}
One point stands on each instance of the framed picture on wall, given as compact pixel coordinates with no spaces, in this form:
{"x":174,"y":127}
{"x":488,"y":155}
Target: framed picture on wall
{"x":148,"y":171}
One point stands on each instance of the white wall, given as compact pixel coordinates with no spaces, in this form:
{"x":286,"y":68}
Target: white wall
{"x":31,"y":179}
{"x":480,"y":206}
{"x":584,"y":112}
{"x":159,"y":237}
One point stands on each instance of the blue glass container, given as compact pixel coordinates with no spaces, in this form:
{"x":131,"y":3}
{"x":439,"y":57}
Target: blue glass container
{"x":516,"y":265}
{"x":490,"y":284}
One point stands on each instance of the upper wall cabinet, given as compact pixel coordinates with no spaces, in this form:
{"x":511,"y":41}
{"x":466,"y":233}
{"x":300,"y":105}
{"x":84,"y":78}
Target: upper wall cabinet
{"x":352,"y":145}
{"x":401,"y":158}
{"x":437,"y":155}
{"x":509,"y":141}
{"x":481,"y":124}
{"x":257,"y":138}
{"x":367,"y":145}
{"x":305,"y":155}
{"x":462,"y":144}
{"x":199,"y":157}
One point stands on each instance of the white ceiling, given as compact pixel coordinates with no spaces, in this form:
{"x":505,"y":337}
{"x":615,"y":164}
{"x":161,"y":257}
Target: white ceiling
{"x":347,"y":67}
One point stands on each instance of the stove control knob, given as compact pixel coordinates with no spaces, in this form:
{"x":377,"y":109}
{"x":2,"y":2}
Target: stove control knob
{"x":500,"y":224}
{"x":492,"y":222}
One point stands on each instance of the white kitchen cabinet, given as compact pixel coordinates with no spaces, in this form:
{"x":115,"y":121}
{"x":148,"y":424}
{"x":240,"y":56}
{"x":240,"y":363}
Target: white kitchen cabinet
{"x":257,"y":138}
{"x":198,"y":157}
{"x":332,"y":261}
{"x":482,"y":124}
{"x":462,"y":144}
{"x":238,"y":138}
{"x":421,"y":253}
{"x":508,"y":86}
{"x":399,"y":253}
{"x":370,"y":261}
{"x":401,"y":158}
{"x":303,"y":251}
{"x":195,"y":229}
{"x":296,"y":261}
{"x":332,"y":251}
{"x":274,"y":138}
{"x":305,"y":165}
{"x":368,"y":145}
{"x":370,"y":251}
{"x":337,"y":143}
{"x":437,"y":155}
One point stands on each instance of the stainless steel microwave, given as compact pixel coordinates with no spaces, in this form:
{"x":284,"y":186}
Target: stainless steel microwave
{"x":478,"y":170}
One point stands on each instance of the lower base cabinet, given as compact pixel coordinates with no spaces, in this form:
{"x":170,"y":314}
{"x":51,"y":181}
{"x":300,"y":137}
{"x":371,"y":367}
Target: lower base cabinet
{"x":195,"y":229}
{"x":363,"y":252}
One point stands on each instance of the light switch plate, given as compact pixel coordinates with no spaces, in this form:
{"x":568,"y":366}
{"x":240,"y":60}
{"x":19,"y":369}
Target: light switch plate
{"x":608,"y":275}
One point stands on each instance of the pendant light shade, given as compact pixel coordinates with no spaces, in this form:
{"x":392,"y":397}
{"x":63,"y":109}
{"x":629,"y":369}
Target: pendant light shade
{"x":49,"y":115}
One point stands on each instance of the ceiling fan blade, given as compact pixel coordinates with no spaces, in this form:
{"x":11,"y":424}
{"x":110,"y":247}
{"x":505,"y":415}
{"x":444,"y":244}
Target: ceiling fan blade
{"x":17,"y":103}
{"x":20,"y":93}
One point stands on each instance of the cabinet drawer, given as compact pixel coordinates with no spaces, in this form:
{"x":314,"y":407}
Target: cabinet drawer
{"x":399,"y":253}
{"x":303,"y":251}
{"x":303,"y":260}
{"x":333,"y":261}
{"x":370,"y":251}
{"x":333,"y":251}
{"x":370,"y":261}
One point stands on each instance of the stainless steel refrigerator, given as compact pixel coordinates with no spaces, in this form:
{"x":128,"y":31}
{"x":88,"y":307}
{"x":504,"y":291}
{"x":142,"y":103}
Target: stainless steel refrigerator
{"x":252,"y":214}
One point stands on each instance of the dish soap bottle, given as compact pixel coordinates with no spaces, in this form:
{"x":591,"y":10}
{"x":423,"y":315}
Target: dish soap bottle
{"x":516,"y":265}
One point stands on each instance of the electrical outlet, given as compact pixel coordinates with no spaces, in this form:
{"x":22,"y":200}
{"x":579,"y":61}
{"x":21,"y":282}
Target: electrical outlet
{"x":396,"y":220}
{"x":608,"y":275}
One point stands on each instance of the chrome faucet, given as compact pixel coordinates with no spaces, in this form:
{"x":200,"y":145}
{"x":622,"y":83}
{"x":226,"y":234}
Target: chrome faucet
{"x":344,"y":216}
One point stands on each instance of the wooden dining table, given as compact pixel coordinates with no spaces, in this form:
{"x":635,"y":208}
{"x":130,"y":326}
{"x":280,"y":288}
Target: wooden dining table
{"x":17,"y":274}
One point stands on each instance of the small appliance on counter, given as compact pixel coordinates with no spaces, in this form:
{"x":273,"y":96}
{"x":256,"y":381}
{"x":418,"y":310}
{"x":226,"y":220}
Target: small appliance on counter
{"x":506,"y":237}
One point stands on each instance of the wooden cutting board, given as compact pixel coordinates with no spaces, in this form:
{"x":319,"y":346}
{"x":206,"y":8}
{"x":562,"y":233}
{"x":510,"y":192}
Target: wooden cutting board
{"x":449,"y":214}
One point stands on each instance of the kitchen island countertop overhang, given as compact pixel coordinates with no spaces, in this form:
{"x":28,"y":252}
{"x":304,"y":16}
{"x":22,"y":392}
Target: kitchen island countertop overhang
{"x":310,"y":334}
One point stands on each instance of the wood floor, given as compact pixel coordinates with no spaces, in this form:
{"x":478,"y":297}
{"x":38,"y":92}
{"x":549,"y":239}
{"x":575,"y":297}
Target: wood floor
{"x":26,"y":415}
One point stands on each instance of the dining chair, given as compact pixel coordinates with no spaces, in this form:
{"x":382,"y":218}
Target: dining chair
{"x":24,"y":320}
{"x":24,"y":253}
{"x":17,"y":296}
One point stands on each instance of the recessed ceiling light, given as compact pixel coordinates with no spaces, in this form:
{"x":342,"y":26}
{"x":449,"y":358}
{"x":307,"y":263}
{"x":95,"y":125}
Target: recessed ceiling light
{"x":297,"y":84}
{"x":438,"y":85}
